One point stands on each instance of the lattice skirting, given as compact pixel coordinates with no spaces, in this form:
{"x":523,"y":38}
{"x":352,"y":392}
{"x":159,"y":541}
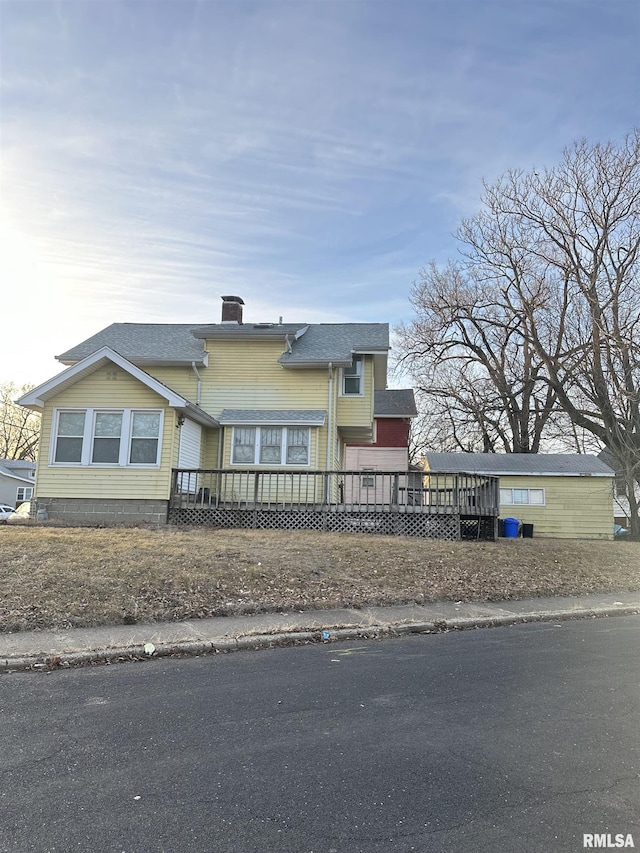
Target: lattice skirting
{"x":389,"y":524}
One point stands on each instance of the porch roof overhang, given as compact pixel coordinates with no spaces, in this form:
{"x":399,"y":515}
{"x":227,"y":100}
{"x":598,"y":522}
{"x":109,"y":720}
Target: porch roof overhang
{"x":361,"y":434}
{"x":37,"y":397}
{"x":278,"y":417}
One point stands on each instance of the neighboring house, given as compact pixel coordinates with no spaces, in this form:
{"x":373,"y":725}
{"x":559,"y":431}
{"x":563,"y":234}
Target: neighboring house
{"x":17,"y":479}
{"x":561,"y":495}
{"x":621,"y":507}
{"x":138,"y":400}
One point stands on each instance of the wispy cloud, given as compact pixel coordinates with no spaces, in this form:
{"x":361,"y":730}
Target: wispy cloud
{"x":308,"y":156}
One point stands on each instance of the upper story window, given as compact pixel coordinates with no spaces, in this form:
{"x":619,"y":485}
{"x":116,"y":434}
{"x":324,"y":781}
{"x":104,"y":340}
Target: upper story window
{"x":107,"y":437}
{"x":352,"y":384}
{"x":270,"y":446}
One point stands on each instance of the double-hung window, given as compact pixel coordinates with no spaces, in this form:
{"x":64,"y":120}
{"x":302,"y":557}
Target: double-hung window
{"x":262,"y":445}
{"x":352,"y":378}
{"x":107,"y":437}
{"x":69,"y":437}
{"x":24,"y":493}
{"x":107,"y":431}
{"x":145,"y":438}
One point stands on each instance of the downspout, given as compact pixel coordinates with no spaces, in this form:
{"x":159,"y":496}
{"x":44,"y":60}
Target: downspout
{"x":199,"y":390}
{"x":330,"y":417}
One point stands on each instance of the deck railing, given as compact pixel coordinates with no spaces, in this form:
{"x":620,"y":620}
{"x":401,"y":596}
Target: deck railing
{"x":347,"y":491}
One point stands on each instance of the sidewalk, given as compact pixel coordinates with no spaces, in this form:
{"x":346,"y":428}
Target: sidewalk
{"x":77,"y":646}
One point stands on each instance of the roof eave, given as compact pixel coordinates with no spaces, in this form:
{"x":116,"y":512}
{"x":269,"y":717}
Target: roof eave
{"x":37,"y":397}
{"x":201,"y":361}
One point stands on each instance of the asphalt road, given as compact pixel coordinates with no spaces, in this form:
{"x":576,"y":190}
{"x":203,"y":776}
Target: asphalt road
{"x":508,"y":739}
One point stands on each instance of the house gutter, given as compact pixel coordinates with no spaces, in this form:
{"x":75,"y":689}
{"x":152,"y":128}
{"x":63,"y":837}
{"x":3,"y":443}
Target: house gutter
{"x":199,"y":390}
{"x":330,"y":417}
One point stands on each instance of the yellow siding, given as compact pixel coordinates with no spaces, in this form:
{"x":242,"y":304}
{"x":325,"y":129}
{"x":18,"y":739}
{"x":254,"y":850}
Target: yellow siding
{"x":136,"y":483}
{"x":180,"y":379}
{"x":357,"y":411}
{"x":246,"y":375}
{"x":575,"y":507}
{"x":240,"y":375}
{"x":210,"y":439}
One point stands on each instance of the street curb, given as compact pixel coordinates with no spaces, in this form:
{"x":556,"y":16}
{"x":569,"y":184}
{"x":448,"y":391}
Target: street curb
{"x":254,"y":642}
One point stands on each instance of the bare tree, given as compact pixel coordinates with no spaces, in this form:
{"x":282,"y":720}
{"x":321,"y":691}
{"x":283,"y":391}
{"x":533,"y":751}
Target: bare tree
{"x":563,"y":247}
{"x":19,"y":427}
{"x":472,"y":364}
{"x":550,"y":275}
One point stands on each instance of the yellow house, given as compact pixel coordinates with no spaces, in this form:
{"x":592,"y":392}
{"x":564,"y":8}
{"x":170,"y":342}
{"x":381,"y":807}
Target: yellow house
{"x":553,"y":495}
{"x":138,"y":400}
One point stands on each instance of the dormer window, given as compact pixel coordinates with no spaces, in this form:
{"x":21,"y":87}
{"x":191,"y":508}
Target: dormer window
{"x":352,"y":378}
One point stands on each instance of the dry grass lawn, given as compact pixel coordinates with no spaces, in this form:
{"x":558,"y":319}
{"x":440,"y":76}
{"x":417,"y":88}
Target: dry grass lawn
{"x":64,"y":577}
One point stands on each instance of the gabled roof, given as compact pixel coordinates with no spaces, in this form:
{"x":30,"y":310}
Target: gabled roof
{"x":525,"y":464}
{"x":259,"y":417}
{"x":14,"y":474}
{"x":18,"y":464}
{"x":394,"y":403}
{"x":143,"y":343}
{"x":36,"y":398}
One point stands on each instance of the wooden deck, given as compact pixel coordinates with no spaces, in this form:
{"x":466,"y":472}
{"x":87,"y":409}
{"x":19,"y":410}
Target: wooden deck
{"x":442,"y":506}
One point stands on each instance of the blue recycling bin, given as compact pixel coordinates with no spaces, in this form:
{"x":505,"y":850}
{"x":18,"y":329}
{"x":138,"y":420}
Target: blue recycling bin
{"x":511,"y":526}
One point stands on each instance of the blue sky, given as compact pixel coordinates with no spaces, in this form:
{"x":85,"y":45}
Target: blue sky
{"x":308,"y":156}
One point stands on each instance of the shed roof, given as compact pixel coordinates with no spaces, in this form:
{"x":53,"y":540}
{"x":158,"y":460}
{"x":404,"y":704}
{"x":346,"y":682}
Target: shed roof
{"x":524,"y":464}
{"x":291,"y":417}
{"x":394,"y":403}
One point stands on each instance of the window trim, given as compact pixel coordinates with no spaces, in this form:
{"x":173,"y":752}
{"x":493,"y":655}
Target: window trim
{"x":284,"y":445}
{"x":25,"y":497}
{"x":512,"y":489}
{"x":358,"y":363}
{"x":88,"y":437}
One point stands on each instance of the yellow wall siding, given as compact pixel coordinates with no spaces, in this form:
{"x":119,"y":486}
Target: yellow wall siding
{"x":575,"y":507}
{"x":246,"y":375}
{"x":98,"y":390}
{"x":210,"y":439}
{"x":180,"y":379}
{"x":357,"y":411}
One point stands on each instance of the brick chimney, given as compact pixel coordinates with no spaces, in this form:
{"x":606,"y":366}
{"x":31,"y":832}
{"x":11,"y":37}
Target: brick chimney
{"x":232,"y":309}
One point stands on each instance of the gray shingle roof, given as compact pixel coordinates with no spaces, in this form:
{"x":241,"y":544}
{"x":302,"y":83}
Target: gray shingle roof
{"x":306,"y":417}
{"x":526,"y":464}
{"x":336,"y":342}
{"x":140,"y":342}
{"x":15,"y":473}
{"x":18,"y":464}
{"x":246,"y":331}
{"x":184,"y":342}
{"x":394,"y":403}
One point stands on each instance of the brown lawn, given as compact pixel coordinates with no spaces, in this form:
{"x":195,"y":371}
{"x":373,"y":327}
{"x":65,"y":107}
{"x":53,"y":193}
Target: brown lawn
{"x":64,"y":577}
